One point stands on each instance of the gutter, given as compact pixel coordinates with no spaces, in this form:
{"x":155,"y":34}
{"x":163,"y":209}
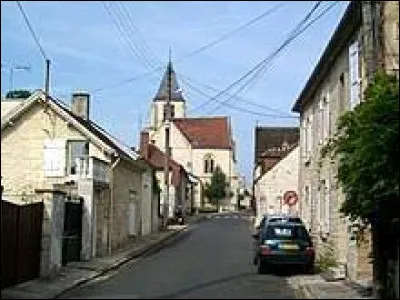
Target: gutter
{"x":111,"y":210}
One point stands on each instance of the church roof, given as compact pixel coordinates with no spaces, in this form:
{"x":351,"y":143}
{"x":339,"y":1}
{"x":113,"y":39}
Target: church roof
{"x":206,"y":133}
{"x":162,"y":93}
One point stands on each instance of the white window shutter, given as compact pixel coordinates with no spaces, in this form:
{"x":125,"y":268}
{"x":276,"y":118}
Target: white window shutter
{"x":326,"y":117}
{"x":354,"y":65}
{"x":318,"y":208}
{"x":327,"y":200}
{"x":54,"y":158}
{"x":304,"y":137}
{"x":321,"y":130}
{"x":309,"y":135}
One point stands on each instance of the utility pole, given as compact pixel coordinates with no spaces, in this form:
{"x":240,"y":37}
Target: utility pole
{"x":167,"y":147}
{"x":47,"y":79}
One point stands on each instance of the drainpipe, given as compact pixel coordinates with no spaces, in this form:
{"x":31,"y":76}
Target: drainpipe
{"x":111,"y":210}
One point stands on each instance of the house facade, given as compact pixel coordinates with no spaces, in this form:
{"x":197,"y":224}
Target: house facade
{"x":198,"y":144}
{"x":57,"y":155}
{"x":180,"y":187}
{"x":276,"y":157}
{"x":282,"y":178}
{"x":335,"y":86}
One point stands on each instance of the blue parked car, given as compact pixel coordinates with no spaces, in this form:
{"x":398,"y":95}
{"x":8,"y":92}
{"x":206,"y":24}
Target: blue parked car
{"x":284,"y":243}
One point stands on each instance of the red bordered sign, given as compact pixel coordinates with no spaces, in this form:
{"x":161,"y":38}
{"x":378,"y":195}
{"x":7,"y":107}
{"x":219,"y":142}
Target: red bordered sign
{"x":290,"y":198}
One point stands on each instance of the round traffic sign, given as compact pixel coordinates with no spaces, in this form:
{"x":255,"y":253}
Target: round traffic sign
{"x":290,"y":198}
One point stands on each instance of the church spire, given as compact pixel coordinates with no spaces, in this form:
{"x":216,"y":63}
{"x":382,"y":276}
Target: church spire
{"x":162,"y":93}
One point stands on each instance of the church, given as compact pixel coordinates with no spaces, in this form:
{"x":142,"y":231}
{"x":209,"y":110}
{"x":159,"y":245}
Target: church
{"x":197,"y":144}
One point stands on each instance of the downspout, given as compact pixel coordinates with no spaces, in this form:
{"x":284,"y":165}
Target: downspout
{"x":111,"y":210}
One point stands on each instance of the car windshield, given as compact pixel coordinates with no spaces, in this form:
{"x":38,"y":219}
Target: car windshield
{"x":286,"y":232}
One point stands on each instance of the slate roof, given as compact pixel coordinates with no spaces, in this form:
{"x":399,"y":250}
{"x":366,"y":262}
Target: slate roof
{"x":269,"y":141}
{"x":162,"y":93}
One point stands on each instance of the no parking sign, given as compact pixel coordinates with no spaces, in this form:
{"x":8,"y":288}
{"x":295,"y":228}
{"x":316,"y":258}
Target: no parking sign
{"x":290,"y":198}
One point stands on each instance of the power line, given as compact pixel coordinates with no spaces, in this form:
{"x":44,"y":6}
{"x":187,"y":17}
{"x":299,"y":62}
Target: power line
{"x":200,"y":49}
{"x":258,"y":69}
{"x":124,"y":35}
{"x":145,"y":46}
{"x":228,"y":34}
{"x":241,"y":109}
{"x":266,"y":107}
{"x":297,"y":32}
{"x":129,"y":80}
{"x":31,"y":30}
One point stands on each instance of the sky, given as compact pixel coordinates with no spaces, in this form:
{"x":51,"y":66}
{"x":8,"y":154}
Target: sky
{"x":88,"y":52}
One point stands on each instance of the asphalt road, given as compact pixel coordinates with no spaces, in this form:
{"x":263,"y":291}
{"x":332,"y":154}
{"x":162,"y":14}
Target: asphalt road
{"x":212,"y":259}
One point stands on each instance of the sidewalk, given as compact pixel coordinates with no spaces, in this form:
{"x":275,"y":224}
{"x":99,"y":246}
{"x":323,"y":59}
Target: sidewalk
{"x":316,"y":287}
{"x":77,"y":273}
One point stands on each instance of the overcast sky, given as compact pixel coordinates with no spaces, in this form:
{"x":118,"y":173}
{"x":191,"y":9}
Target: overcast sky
{"x":87,"y":53}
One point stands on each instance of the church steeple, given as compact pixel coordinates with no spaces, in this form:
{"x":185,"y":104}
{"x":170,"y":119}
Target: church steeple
{"x":177,"y":104}
{"x":176,"y":92}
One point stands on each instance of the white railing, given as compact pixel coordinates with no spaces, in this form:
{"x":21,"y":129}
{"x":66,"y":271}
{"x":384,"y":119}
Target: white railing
{"x":92,"y":168}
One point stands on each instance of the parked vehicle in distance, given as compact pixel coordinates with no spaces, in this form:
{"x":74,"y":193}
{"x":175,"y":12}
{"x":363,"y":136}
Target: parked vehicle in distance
{"x":284,"y":243}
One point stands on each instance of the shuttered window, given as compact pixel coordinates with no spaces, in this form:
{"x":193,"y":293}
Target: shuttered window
{"x":327,"y":123}
{"x":327,"y":201}
{"x":354,"y":67}
{"x":54,"y":157}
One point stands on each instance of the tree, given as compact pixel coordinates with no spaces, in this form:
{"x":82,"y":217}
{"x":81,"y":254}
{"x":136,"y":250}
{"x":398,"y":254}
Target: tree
{"x":216,"y":189}
{"x":367,"y":145}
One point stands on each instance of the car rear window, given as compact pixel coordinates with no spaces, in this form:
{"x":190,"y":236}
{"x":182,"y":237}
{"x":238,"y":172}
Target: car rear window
{"x":285,"y":219}
{"x":280,"y":232}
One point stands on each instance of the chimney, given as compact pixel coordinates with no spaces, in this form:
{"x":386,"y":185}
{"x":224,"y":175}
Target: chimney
{"x":144,"y":144}
{"x":80,"y":104}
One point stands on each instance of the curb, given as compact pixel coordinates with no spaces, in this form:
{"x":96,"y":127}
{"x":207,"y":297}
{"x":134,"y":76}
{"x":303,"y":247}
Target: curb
{"x":135,"y":254}
{"x":153,"y":247}
{"x":306,"y":293}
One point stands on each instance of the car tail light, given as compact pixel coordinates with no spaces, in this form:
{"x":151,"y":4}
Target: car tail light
{"x":265,"y":250}
{"x":310,"y":251}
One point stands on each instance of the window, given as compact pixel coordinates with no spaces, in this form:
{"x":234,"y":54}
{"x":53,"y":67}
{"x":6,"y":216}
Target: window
{"x":327,"y":121}
{"x":321,"y":106}
{"x":54,"y":157}
{"x":354,"y":68}
{"x":172,"y":111}
{"x":342,"y":93}
{"x":76,"y":151}
{"x":309,"y":136}
{"x":303,"y":137}
{"x":208,"y":164}
{"x":327,"y":200}
{"x":324,"y":119}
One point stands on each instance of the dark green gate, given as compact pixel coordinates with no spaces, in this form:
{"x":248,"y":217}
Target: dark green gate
{"x":72,"y":236}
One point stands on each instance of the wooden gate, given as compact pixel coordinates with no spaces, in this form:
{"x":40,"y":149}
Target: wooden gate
{"x":21,"y":235}
{"x":72,"y":236}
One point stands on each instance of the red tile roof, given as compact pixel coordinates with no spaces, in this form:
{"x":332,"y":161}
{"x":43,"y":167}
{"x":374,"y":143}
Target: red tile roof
{"x":206,"y":133}
{"x":157,"y":158}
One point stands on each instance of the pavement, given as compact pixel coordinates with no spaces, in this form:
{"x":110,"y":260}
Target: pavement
{"x":77,"y":273}
{"x":317,"y":287}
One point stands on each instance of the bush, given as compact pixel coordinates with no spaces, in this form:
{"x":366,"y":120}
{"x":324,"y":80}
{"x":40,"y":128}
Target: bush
{"x":325,"y":259}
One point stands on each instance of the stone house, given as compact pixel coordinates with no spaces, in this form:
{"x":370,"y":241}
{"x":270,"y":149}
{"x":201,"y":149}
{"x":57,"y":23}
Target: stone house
{"x":335,"y":86}
{"x":276,"y":169}
{"x":53,"y":154}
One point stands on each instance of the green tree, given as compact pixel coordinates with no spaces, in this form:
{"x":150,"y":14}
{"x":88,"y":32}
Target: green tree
{"x":216,"y":189}
{"x":367,"y":146}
